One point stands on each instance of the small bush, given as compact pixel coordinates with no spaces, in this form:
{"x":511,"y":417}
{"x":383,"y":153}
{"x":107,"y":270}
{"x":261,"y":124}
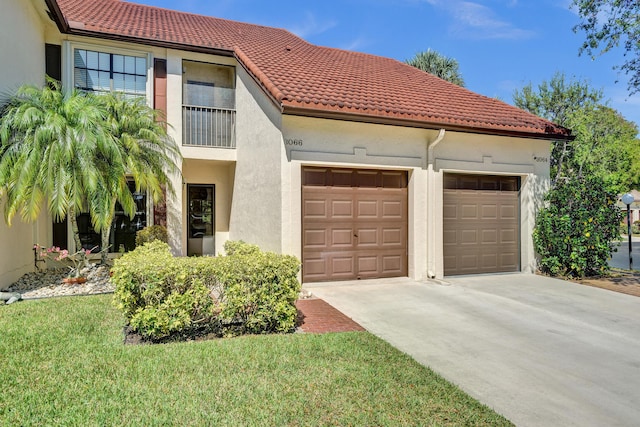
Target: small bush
{"x":575,"y":232}
{"x":161,"y":295}
{"x":151,"y":233}
{"x":249,"y":291}
{"x":238,"y":247}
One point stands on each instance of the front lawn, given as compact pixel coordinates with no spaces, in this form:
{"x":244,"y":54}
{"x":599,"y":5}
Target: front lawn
{"x":63,"y":363}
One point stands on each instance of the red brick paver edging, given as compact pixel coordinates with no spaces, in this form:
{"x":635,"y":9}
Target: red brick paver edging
{"x":317,"y":316}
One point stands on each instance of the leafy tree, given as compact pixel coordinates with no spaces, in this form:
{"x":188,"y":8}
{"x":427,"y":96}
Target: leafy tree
{"x":139,"y":148}
{"x":607,"y":23}
{"x":606,"y":146}
{"x":439,"y":65}
{"x":575,"y":231}
{"x":580,"y":220}
{"x":558,"y":100}
{"x":48,"y":140}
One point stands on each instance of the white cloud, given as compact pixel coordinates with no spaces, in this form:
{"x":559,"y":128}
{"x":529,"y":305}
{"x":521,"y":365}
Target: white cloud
{"x":310,"y":26}
{"x":477,"y":21}
{"x":356,"y":44}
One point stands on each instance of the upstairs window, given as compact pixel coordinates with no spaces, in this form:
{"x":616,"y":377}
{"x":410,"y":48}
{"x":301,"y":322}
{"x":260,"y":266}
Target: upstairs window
{"x":109,"y":72}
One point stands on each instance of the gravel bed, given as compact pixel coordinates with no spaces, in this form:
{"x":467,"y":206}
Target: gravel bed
{"x":49,"y":283}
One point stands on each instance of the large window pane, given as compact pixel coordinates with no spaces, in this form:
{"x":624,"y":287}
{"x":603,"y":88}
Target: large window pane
{"x":104,"y":61}
{"x":92,"y":60}
{"x":104,"y":72}
{"x":118,"y":64}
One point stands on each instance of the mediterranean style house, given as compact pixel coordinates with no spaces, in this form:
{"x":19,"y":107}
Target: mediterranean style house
{"x":361,"y":166}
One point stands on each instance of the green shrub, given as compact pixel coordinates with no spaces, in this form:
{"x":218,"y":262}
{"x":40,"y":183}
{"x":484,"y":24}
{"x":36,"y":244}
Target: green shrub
{"x":247,"y":292}
{"x":151,"y":233}
{"x":259,"y":292}
{"x":238,"y":247}
{"x":576,"y":230}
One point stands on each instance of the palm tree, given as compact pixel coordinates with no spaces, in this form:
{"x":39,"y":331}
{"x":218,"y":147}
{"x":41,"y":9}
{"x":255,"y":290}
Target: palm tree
{"x":48,"y":139}
{"x":439,"y":65}
{"x":139,"y":147}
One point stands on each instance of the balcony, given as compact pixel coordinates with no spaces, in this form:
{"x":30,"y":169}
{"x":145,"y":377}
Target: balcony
{"x":208,"y":127}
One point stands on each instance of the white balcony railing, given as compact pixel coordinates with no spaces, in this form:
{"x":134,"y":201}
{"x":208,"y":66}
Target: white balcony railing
{"x":208,"y":127}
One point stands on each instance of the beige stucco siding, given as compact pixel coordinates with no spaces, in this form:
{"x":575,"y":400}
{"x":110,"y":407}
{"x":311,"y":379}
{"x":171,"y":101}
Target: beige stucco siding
{"x":23,"y":62}
{"x":219,"y":174}
{"x":469,"y":153}
{"x":309,"y":141}
{"x":256,"y":210}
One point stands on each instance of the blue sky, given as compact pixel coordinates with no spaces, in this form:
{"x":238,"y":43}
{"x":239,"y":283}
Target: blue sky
{"x":501,"y":45}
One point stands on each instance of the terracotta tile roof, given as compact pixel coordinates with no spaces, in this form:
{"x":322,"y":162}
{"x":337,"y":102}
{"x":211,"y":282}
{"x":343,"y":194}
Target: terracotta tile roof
{"x":308,"y":79}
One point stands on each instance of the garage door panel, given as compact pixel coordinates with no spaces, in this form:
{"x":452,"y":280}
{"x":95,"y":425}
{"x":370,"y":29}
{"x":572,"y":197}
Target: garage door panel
{"x":367,"y":237}
{"x":450,"y":212}
{"x":508,"y":212}
{"x":365,"y":224}
{"x":392,"y":264}
{"x":315,"y":238}
{"x":392,"y":209}
{"x":468,"y":212}
{"x":489,"y":236}
{"x":342,"y":264}
{"x":367,"y":209}
{"x":509,"y":236}
{"x":342,"y":209}
{"x":342,"y":237}
{"x":368,"y":264}
{"x":315,"y":208}
{"x":393,"y":237}
{"x":481,"y":224}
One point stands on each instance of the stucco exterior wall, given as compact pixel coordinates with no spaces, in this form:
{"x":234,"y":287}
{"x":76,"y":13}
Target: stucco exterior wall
{"x":22,"y":62}
{"x":469,"y":153}
{"x":309,"y":141}
{"x":256,"y":210}
{"x":220,"y":174}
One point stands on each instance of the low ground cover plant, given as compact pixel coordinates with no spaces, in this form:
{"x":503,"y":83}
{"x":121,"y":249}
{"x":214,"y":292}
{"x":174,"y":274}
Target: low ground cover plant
{"x":248,"y":291}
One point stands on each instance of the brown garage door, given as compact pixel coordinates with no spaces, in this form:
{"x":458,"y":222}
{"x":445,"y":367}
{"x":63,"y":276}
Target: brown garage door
{"x":354,"y":224}
{"x":481,"y":224}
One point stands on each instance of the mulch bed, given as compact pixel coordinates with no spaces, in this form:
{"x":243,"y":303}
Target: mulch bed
{"x":624,"y":282}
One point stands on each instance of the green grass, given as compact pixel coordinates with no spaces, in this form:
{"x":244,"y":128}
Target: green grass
{"x":64,"y":363}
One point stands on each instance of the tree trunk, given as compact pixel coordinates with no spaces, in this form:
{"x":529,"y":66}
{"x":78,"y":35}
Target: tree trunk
{"x":76,"y":237}
{"x":71,"y":213}
{"x":560,"y":161}
{"x":105,"y":234}
{"x":104,"y":244}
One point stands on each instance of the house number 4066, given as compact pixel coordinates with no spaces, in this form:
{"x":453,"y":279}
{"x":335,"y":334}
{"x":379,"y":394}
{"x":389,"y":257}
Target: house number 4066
{"x":541,"y":159}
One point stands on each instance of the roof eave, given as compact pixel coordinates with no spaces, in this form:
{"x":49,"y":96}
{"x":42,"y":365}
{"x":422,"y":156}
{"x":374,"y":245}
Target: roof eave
{"x":368,"y":118}
{"x":151,"y":42}
{"x":57,"y":15}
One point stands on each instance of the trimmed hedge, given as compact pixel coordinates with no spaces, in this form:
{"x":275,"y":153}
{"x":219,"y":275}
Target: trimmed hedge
{"x":247,"y":291}
{"x":151,"y":233}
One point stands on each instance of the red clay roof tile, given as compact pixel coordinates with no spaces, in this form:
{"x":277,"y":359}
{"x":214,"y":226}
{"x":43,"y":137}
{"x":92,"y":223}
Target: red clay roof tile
{"x":309,"y":79}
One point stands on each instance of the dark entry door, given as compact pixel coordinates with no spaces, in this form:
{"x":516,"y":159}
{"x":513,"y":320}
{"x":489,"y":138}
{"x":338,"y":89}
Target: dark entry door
{"x":201,"y":219}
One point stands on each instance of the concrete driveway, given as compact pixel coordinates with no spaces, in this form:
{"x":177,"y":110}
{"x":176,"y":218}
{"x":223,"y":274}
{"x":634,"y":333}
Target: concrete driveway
{"x":540,"y":351}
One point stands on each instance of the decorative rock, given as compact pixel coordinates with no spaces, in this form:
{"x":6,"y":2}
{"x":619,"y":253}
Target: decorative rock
{"x":49,"y":283}
{"x":10,"y":296}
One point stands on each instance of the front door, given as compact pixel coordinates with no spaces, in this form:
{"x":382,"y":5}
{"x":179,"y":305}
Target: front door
{"x":201,"y":219}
